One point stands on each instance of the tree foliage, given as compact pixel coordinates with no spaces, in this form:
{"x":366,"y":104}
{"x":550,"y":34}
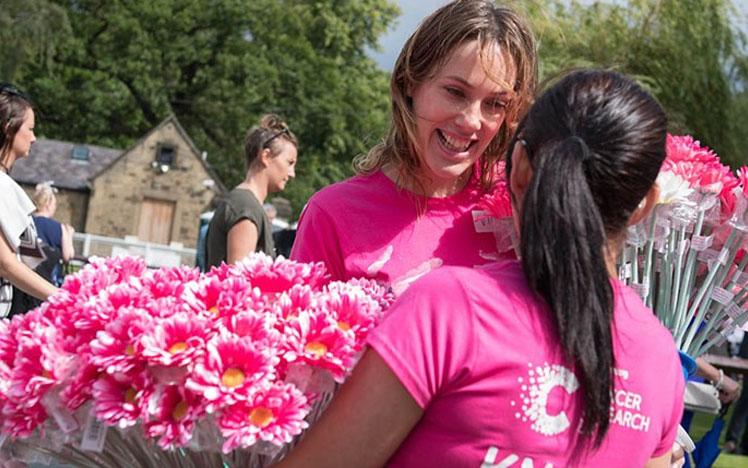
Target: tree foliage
{"x":689,"y":53}
{"x":218,"y":65}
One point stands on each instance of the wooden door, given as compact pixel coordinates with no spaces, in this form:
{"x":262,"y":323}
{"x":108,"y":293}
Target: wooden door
{"x":156,"y":219}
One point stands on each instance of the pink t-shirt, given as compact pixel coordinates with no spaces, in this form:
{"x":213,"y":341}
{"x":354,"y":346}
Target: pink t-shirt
{"x":367,"y":227}
{"x":478,"y":353}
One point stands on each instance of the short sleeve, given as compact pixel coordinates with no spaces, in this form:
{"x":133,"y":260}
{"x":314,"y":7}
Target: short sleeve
{"x":676,"y":412}
{"x":318,"y":240}
{"x":428,"y":338}
{"x":16,"y":209}
{"x":238,"y":211}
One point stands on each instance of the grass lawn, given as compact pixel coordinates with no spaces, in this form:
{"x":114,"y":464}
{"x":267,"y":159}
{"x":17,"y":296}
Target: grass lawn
{"x":701,"y":423}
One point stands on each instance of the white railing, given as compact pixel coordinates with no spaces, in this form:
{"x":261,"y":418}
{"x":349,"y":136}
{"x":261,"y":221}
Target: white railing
{"x":156,"y":255}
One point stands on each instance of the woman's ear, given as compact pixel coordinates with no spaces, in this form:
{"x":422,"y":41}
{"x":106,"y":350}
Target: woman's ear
{"x":521,"y":174}
{"x":264,"y":157}
{"x":646,"y":205}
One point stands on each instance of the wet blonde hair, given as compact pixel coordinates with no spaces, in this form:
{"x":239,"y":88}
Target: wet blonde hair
{"x":267,"y":134}
{"x":428,"y":49}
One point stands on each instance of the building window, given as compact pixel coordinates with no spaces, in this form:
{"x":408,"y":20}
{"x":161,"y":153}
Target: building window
{"x":80,"y":153}
{"x":165,"y":155}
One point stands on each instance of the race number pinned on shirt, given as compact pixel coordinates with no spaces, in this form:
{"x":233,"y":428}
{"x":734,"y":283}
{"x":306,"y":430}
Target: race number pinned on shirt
{"x":484,"y":222}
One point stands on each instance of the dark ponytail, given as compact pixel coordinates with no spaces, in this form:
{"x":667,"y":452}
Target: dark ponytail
{"x":595,"y":142}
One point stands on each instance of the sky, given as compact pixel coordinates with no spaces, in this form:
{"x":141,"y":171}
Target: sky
{"x":413,"y":11}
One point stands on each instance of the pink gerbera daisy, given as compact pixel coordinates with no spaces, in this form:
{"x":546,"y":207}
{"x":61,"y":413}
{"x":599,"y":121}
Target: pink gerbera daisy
{"x":317,"y":340}
{"x":116,"y":349}
{"x":176,"y":341}
{"x":231,"y":367}
{"x":173,"y":418}
{"x":351,"y":308}
{"x":275,"y":276}
{"x":121,"y":404}
{"x":274,"y":415}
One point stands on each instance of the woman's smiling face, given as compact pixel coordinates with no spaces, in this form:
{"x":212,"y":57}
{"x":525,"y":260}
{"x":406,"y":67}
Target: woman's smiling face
{"x":458,"y":113}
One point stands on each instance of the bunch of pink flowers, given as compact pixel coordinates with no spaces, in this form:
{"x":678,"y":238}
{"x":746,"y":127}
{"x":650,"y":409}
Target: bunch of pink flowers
{"x":687,"y":260}
{"x":172,"y":352}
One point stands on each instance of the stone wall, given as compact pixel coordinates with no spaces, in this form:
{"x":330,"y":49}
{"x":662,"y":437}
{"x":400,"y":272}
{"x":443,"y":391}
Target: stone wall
{"x":118,"y":192}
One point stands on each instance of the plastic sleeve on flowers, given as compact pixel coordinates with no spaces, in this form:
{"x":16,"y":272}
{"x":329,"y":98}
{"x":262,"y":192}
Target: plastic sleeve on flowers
{"x":426,"y":340}
{"x":317,"y":240}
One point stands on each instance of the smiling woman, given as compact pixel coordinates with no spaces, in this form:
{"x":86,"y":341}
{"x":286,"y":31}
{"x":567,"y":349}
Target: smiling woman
{"x":458,"y":88}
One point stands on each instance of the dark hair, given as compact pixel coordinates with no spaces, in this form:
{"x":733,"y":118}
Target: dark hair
{"x":13,"y":107}
{"x":266,"y":135}
{"x":426,"y":51}
{"x":595,"y":143}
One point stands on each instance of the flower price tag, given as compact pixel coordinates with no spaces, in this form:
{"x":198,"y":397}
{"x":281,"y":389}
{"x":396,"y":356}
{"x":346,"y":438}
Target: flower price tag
{"x":708,"y":256}
{"x":484,"y":222}
{"x":723,"y":296}
{"x":624,"y":271}
{"x":733,"y":310}
{"x":701,"y":243}
{"x":94,"y":434}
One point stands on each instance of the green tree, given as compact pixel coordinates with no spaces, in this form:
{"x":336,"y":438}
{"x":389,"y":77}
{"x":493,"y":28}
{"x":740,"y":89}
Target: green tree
{"x":218,"y":65}
{"x":687,"y":52}
{"x":30,"y":30}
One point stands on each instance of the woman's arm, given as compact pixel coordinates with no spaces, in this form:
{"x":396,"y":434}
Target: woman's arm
{"x":68,"y":251}
{"x":365,"y":424}
{"x":241,"y":240}
{"x":21,"y":276}
{"x":729,"y":389}
{"x":663,"y":461}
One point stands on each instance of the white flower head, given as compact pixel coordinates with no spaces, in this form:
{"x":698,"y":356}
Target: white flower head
{"x":673,"y":188}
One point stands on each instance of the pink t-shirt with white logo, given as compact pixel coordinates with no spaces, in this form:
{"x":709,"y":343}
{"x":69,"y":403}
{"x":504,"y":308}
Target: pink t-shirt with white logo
{"x":368,"y":227}
{"x":478,"y":352}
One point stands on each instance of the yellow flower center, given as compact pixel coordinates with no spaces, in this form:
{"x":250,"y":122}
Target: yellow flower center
{"x":130,"y":395}
{"x":345,"y":326}
{"x":261,"y":416}
{"x":233,"y":377}
{"x":180,"y":411}
{"x":178,"y":347}
{"x":130,"y":349}
{"x":214,"y":310}
{"x":46,"y":374}
{"x":316,"y":348}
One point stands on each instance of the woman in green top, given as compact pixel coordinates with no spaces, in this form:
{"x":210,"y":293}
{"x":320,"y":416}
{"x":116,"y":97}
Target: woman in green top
{"x":240,"y":225}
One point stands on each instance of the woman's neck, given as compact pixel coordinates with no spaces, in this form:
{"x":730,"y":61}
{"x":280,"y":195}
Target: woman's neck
{"x":427,"y":187}
{"x":257,"y":188}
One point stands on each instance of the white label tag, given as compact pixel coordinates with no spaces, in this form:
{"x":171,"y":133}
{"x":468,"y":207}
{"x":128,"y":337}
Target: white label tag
{"x":723,"y":296}
{"x":484,"y":222}
{"x":624,"y":272}
{"x":733,"y":310}
{"x":700,"y":243}
{"x":64,"y":419}
{"x":94,"y":435}
{"x":708,"y":255}
{"x":642,"y":289}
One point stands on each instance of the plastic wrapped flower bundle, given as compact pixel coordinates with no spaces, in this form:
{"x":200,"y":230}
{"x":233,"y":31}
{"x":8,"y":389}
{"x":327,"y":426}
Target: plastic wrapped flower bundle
{"x":126,"y":366}
{"x":687,"y":260}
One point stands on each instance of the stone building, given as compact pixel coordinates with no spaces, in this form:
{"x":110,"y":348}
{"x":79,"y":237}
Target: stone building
{"x":155,"y":191}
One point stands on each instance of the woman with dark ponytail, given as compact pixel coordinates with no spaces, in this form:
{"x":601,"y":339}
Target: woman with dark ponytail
{"x":546,"y":361}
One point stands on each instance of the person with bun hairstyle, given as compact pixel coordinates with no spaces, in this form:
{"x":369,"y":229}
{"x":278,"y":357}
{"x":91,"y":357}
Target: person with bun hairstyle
{"x":240,"y":225}
{"x":545,"y":361}
{"x":458,"y":89}
{"x":18,"y":233}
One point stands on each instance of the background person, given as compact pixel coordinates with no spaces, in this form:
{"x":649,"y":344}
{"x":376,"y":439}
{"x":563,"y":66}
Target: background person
{"x":240,"y":225}
{"x":458,"y":88}
{"x":16,"y":225}
{"x":56,"y":235}
{"x":550,"y":361}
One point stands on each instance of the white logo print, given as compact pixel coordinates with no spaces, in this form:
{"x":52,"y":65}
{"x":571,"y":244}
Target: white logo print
{"x":541,"y":382}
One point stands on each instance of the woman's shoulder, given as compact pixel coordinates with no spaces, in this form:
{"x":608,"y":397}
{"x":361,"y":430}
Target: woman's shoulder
{"x":354,"y":188}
